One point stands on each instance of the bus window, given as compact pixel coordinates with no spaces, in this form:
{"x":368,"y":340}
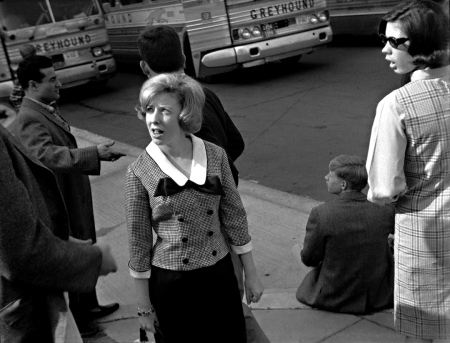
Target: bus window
{"x":65,"y":10}
{"x":130,"y":2}
{"x":16,"y":14}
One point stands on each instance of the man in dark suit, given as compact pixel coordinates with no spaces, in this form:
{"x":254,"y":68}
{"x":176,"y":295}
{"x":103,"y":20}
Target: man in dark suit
{"x":347,"y":242}
{"x":38,"y":262}
{"x":161,"y":52}
{"x":46,"y":135}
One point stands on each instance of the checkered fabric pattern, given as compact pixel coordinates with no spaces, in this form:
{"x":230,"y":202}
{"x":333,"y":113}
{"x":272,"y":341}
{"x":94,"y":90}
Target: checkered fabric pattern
{"x":422,"y":237}
{"x":16,"y":96}
{"x":187,"y":224}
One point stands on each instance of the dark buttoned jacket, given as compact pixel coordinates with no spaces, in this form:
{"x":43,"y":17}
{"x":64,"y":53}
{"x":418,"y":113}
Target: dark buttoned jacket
{"x":36,"y":262}
{"x":188,"y":223}
{"x":218,"y":128}
{"x":347,"y":240}
{"x":51,"y":142}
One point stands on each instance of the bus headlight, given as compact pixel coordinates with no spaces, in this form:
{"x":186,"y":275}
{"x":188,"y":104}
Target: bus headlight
{"x":313,"y":19}
{"x":97,"y":52}
{"x":323,"y":16}
{"x":256,"y":31}
{"x":244,"y":33}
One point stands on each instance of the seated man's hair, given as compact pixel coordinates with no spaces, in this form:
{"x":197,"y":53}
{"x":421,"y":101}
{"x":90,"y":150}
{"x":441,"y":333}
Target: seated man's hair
{"x":352,"y":169}
{"x":160,"y":48}
{"x":29,"y":69}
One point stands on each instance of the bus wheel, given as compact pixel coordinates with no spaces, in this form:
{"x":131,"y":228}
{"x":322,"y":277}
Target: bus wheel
{"x":291,"y":60}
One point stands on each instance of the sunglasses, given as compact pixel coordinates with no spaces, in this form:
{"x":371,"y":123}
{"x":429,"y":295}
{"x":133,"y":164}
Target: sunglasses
{"x":394,"y":42}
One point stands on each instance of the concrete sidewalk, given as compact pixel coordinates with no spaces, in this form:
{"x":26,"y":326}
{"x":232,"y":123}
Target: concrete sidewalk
{"x":277,"y":221}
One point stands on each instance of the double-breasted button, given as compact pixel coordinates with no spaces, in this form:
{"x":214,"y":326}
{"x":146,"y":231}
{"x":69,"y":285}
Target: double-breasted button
{"x":210,"y":212}
{"x":186,"y":261}
{"x":214,"y":253}
{"x":184,"y":239}
{"x":210,"y":233}
{"x":180,"y":219}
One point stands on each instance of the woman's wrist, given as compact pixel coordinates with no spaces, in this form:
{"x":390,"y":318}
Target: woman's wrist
{"x":145,"y":312}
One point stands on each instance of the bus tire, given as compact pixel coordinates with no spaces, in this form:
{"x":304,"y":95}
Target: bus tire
{"x":293,"y":60}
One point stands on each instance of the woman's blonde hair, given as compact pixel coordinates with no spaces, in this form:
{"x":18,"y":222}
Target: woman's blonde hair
{"x":188,"y":92}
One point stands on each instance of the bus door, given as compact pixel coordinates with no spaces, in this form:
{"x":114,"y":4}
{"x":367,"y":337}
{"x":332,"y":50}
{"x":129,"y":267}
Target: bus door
{"x":208,"y":29}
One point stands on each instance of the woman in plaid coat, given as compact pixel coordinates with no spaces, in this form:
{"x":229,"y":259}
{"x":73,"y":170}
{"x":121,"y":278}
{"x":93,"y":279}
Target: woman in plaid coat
{"x":409,"y":163}
{"x":183,"y":189}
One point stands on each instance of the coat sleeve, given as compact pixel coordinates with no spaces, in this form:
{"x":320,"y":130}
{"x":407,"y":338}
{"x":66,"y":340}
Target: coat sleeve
{"x":140,"y":236}
{"x":386,"y":156}
{"x":38,"y":141}
{"x":232,"y":213}
{"x":314,"y":244}
{"x":29,"y":252}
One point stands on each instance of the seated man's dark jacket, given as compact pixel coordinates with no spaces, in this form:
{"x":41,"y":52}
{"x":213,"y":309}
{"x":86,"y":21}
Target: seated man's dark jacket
{"x":349,"y":239}
{"x":218,"y":128}
{"x":37,"y":263}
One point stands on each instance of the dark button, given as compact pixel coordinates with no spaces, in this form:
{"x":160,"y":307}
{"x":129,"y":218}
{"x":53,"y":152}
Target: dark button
{"x":214,"y":253}
{"x":184,"y":240}
{"x":210,"y":212}
{"x":210,"y":233}
{"x":186,"y":261}
{"x":180,"y":219}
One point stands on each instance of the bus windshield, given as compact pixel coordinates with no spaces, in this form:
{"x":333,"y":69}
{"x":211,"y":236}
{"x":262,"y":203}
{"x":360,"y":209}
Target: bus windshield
{"x":75,"y":9}
{"x":17,"y":14}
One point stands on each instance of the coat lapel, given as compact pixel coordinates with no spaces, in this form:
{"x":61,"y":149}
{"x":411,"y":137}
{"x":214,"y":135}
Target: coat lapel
{"x":30,"y":103}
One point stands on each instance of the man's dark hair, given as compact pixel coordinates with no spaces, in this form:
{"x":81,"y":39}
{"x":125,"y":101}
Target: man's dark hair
{"x":160,"y":48}
{"x":29,"y":69}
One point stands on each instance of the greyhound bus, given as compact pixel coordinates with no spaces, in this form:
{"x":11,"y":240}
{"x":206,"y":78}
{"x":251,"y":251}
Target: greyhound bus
{"x":221,"y":35}
{"x":72,"y":33}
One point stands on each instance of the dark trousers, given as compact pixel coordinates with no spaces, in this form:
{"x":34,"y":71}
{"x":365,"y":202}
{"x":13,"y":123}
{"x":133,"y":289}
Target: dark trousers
{"x":80,"y":304}
{"x":201,"y":305}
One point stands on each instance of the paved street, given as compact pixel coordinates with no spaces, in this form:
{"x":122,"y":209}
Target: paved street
{"x":293,"y":119}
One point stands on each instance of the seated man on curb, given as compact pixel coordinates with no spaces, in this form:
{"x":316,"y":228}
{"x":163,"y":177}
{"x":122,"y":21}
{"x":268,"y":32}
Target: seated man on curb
{"x":347,"y":242}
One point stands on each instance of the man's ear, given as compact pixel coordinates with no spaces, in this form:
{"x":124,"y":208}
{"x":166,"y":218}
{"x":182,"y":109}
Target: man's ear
{"x":32,"y":85}
{"x":145,"y":68}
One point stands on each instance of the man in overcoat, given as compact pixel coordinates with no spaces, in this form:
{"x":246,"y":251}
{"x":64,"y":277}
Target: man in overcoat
{"x":38,"y":262}
{"x":46,"y":135}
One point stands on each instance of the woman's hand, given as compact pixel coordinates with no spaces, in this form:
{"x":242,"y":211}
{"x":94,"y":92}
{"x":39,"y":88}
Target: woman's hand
{"x":254,"y":289}
{"x":148,"y":322}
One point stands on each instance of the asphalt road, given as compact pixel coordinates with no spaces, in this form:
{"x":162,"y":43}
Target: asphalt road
{"x":294,"y":119}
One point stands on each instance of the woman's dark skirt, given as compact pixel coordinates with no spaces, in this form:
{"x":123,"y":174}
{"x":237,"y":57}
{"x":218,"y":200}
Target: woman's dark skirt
{"x":201,"y":306}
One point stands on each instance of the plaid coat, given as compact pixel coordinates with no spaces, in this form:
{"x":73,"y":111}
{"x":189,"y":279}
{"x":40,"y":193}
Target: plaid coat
{"x":409,"y":160}
{"x":187,"y":224}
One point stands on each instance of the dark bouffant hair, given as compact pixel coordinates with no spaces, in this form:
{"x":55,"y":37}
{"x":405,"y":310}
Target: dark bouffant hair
{"x":427,"y":26}
{"x":351,"y":169}
{"x":160,"y":48}
{"x":29,"y":69}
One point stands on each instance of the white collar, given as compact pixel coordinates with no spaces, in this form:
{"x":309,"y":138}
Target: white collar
{"x":198,"y":167}
{"x":428,"y":73}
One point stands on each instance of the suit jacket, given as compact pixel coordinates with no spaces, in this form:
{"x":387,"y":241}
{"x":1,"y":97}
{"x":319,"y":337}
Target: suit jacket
{"x":36,"y":262}
{"x":218,"y":128}
{"x":48,"y":140}
{"x":347,"y":239}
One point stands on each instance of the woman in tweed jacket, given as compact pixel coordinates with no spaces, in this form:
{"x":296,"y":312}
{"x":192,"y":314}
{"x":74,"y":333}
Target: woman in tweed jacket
{"x":409,"y":163}
{"x":182,"y":188}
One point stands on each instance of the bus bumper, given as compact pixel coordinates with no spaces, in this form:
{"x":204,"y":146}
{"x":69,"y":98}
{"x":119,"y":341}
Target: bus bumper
{"x":269,"y":50}
{"x":93,"y":71}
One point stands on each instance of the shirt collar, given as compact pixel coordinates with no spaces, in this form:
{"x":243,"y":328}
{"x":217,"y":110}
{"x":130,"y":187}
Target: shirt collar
{"x":198,"y":167}
{"x":428,"y":73}
{"x":49,"y":108}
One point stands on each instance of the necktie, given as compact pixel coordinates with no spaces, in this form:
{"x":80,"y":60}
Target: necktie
{"x":58,"y":117}
{"x":166,"y":186}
